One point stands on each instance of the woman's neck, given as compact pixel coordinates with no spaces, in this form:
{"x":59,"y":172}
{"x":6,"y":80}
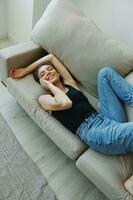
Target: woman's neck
{"x":61,"y":86}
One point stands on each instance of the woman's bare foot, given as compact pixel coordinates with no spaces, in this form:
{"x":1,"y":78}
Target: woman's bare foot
{"x":129,"y":185}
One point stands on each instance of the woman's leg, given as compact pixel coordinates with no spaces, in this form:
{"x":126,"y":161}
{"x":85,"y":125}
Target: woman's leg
{"x":113,"y":90}
{"x":107,"y":136}
{"x":105,"y":132}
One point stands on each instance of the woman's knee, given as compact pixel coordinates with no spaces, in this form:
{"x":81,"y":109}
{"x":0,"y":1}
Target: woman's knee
{"x":105,"y":70}
{"x":105,"y":73}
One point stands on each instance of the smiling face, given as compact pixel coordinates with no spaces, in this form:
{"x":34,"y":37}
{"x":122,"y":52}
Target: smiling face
{"x":49,"y":73}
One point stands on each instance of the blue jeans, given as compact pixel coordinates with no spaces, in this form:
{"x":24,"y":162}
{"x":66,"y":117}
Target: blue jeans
{"x":108,"y":131}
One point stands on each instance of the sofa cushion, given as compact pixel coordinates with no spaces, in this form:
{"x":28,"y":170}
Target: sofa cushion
{"x":77,"y":41}
{"x":26,"y":91}
{"x":108,"y":173}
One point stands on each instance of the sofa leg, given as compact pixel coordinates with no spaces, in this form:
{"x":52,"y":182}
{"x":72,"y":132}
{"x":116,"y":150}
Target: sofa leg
{"x":129,"y":185}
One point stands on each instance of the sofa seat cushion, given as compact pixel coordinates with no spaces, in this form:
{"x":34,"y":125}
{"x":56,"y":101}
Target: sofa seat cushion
{"x":107,"y":172}
{"x":26,"y":91}
{"x":76,"y":40}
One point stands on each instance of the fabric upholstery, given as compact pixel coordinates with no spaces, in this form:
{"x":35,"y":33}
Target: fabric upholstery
{"x":107,"y":172}
{"x":77,"y":41}
{"x":20,"y":55}
{"x":26,"y":91}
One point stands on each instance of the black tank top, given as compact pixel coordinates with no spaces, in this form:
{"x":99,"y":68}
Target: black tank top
{"x":81,"y":109}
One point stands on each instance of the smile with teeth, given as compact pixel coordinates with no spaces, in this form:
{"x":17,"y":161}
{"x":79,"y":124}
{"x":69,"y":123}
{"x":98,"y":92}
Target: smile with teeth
{"x":50,"y":76}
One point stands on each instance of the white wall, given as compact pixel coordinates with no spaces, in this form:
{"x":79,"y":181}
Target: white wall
{"x":3,"y":19}
{"x":20,"y":15}
{"x":112,"y":16}
{"x":38,"y":9}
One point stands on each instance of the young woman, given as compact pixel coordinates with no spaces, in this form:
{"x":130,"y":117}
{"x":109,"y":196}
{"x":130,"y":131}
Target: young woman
{"x":107,"y":131}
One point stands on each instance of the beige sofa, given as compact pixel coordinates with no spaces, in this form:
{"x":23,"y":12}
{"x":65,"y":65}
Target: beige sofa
{"x":84,"y":53}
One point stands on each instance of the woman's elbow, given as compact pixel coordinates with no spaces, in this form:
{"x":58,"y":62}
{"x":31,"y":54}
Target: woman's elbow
{"x":40,"y":99}
{"x":41,"y":102}
{"x":67,"y":104}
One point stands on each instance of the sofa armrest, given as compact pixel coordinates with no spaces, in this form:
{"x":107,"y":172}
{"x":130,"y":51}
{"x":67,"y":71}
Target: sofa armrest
{"x":17,"y":56}
{"x":108,"y":173}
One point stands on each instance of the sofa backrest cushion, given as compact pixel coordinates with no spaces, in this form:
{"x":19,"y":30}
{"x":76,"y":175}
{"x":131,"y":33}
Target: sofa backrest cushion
{"x":65,"y":31}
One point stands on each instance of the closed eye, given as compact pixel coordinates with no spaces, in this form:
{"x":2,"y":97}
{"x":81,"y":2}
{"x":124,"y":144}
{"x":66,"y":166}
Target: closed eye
{"x":49,"y":68}
{"x":42,"y":74}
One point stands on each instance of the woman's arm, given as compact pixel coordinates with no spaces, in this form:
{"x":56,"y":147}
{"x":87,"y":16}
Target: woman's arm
{"x":21,"y":72}
{"x":60,"y":101}
{"x":67,"y":77}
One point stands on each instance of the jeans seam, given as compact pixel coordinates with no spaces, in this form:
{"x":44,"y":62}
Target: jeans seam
{"x":104,"y":97}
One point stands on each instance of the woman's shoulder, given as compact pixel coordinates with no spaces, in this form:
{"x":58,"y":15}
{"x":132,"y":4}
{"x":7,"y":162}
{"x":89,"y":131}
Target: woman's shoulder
{"x":74,"y":84}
